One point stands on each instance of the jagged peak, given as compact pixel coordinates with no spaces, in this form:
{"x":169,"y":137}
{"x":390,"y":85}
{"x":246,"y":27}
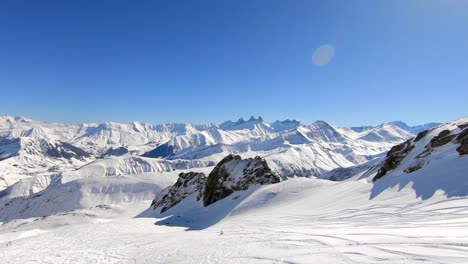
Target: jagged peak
{"x":288,"y":122}
{"x":242,"y":120}
{"x":242,"y":123}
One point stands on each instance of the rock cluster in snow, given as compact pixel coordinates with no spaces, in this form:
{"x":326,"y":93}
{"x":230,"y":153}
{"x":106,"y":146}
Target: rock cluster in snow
{"x":394,"y":158}
{"x":230,"y":175}
{"x":447,"y":137}
{"x":234,"y":174}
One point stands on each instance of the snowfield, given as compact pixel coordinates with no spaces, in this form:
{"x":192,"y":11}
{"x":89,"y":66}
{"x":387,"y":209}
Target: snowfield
{"x":296,"y":221}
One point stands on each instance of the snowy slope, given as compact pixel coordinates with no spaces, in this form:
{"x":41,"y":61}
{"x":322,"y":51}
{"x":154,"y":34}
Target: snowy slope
{"x":296,"y":221}
{"x":434,"y":152}
{"x":66,"y":193}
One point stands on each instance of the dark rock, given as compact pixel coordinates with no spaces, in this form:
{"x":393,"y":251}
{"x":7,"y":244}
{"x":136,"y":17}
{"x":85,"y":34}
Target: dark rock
{"x":443,"y":138}
{"x":394,"y":158}
{"x":463,"y":126}
{"x":414,"y":167}
{"x":230,"y":175}
{"x":187,"y":184}
{"x":462,"y":138}
{"x":463,"y":149}
{"x":421,"y":135}
{"x":234,"y":174}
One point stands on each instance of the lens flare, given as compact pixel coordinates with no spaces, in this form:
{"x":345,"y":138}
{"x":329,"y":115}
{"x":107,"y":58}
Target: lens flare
{"x":323,"y":55}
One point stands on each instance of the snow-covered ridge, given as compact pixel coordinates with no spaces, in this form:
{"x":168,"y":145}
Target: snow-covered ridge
{"x":445,"y":142}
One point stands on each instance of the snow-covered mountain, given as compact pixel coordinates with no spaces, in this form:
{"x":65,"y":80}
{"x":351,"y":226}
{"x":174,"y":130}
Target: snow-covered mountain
{"x":440,"y":150}
{"x":32,"y":148}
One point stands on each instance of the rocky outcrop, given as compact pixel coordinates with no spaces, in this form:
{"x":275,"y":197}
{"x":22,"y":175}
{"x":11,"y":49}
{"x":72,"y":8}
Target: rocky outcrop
{"x":230,"y":175}
{"x":462,"y":138}
{"x":394,"y":158}
{"x":234,"y":174}
{"x":421,"y":135}
{"x":187,"y":184}
{"x":444,"y":138}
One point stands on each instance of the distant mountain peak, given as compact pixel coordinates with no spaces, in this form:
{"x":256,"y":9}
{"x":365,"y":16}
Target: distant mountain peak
{"x":14,"y":119}
{"x":253,"y":119}
{"x":241,"y":123}
{"x":288,"y":121}
{"x":321,"y":123}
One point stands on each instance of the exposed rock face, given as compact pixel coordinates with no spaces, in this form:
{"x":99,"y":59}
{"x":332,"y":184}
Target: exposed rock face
{"x":462,"y":138}
{"x":421,"y":135}
{"x":187,"y":184}
{"x":234,"y":174}
{"x":443,"y":138}
{"x":394,"y":158}
{"x":463,"y":126}
{"x":414,"y":167}
{"x":230,"y":175}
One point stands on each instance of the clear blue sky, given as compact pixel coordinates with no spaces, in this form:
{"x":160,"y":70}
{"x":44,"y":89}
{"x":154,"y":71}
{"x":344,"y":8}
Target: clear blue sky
{"x":209,"y":61}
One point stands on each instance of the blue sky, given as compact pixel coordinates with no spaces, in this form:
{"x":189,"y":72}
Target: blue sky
{"x":210,"y":61}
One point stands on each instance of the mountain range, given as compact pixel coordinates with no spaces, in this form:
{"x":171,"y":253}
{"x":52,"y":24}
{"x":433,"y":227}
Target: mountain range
{"x":33,"y":148}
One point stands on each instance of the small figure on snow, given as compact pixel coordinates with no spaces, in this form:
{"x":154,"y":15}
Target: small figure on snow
{"x":221,"y":232}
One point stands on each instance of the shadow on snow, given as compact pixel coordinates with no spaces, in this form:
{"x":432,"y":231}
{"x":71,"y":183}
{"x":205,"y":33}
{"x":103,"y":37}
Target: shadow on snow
{"x":452,"y":180}
{"x":193,"y":215}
